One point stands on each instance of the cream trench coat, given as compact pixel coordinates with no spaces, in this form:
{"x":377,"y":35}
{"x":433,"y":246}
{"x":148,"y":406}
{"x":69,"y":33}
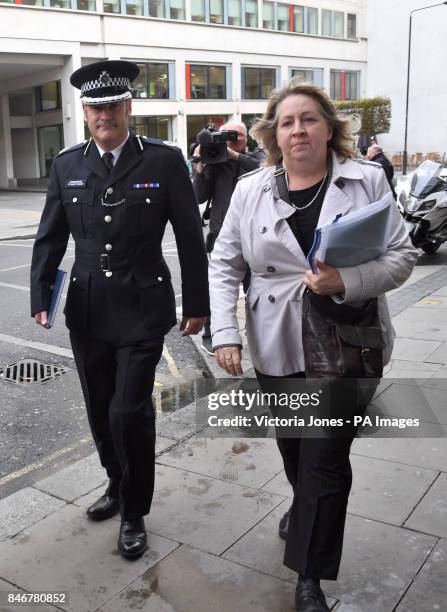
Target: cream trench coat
{"x":255,"y":231}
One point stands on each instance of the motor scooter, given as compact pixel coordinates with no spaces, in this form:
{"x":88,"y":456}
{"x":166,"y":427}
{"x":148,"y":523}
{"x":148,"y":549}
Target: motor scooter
{"x":422,"y":200}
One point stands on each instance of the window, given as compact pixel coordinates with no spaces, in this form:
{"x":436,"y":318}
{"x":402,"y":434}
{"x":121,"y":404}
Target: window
{"x":134,"y":7}
{"x":249,"y":121}
{"x":283,"y":17}
{"x":345,"y":85}
{"x":153,"y":127}
{"x":268,"y":15}
{"x":86,"y":5}
{"x":157,"y":8}
{"x":311,"y":20}
{"x":309,"y":75}
{"x":176,"y":9}
{"x":198,"y":11}
{"x":112,"y":6}
{"x":352,"y":26}
{"x":206,"y":82}
{"x":234,"y":12}
{"x":251,"y":13}
{"x":153,"y":81}
{"x":50,"y":141}
{"x":195,"y":123}
{"x":257,"y":83}
{"x":298,"y":19}
{"x":60,"y":4}
{"x":49,"y":96}
{"x":333,"y":23}
{"x":216,"y":11}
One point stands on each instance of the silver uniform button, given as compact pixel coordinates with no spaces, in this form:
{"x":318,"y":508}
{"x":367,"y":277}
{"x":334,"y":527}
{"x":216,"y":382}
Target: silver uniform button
{"x":148,"y":200}
{"x":75,"y":200}
{"x":262,"y":229}
{"x":107,"y":218}
{"x":74,"y":278}
{"x":108,"y":247}
{"x":109,"y":274}
{"x":109,"y":190}
{"x":159,"y":278}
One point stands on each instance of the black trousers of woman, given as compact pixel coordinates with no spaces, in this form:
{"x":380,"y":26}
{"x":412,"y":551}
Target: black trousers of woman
{"x":320,"y":474}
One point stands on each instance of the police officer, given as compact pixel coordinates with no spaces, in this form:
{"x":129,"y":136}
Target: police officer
{"x":114,"y":194}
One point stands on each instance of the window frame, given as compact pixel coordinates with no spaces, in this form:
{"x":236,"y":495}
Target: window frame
{"x":337,"y":72}
{"x":189,"y":65}
{"x":170,"y":71}
{"x":58,"y":97}
{"x":277,"y":74}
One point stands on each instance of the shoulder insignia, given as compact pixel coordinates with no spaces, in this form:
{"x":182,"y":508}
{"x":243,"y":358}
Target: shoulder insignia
{"x":74,"y":148}
{"x":366,"y":162}
{"x":250,"y":173}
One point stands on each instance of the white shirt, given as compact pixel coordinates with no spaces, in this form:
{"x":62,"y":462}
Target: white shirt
{"x":115,"y":152}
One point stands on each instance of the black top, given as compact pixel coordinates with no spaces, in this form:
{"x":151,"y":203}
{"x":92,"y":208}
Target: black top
{"x":303,"y":222}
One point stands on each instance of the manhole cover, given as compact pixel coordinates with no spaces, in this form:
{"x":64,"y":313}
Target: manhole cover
{"x":31,"y":370}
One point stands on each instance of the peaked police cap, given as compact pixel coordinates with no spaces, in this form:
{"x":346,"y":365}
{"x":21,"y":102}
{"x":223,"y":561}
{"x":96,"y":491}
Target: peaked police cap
{"x":105,"y":82}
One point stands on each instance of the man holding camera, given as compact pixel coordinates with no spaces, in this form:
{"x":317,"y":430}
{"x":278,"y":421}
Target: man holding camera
{"x":214,"y":182}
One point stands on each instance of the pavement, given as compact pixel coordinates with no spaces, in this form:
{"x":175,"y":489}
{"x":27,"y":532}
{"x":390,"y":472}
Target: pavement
{"x":213,"y":526}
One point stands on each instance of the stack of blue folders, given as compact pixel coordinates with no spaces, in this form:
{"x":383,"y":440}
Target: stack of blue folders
{"x":355,"y":238}
{"x":56,"y":294}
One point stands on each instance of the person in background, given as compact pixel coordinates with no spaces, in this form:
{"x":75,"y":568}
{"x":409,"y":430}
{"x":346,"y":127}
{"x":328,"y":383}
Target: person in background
{"x":376,"y":154}
{"x":270,"y":224}
{"x":215,"y":183}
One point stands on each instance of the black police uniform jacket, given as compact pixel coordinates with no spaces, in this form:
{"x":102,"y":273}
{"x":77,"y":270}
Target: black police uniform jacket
{"x":120,"y":289}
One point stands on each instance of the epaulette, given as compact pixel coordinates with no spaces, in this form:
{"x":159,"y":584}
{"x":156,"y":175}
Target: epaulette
{"x":367,"y":162}
{"x":74,"y":148}
{"x":249,"y":173}
{"x":161,"y":143}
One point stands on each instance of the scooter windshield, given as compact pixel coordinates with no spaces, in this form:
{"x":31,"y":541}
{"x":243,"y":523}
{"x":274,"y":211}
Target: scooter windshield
{"x":425,"y":179}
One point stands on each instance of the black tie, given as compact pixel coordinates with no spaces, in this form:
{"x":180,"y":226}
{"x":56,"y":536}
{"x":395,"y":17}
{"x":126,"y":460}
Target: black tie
{"x":108,"y":159}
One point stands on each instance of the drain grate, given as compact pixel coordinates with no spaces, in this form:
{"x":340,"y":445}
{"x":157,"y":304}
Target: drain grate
{"x":31,"y":370}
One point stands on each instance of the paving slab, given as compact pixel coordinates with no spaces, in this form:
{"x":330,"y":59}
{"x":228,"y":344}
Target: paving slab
{"x":407,"y":349}
{"x":415,"y":372}
{"x":191,"y":580}
{"x":378,"y":564}
{"x":405,"y":401}
{"x":428,"y":592}
{"x":250,"y":462}
{"x":66,"y":552}
{"x":421,"y":323}
{"x":442,"y":291}
{"x":420,"y":452}
{"x":430,"y":516}
{"x":204,"y":512}
{"x":279,"y":485}
{"x":439,"y":355}
{"x":6,"y":588}
{"x":434,"y":301}
{"x":386,"y":491}
{"x":24,"y":508}
{"x":75,"y":480}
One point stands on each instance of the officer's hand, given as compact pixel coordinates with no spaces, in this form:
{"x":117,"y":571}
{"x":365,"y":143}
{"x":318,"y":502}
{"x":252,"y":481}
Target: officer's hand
{"x":192,"y":325}
{"x":327,"y":282}
{"x":196,"y":151}
{"x":229,"y":358}
{"x":41,"y":318}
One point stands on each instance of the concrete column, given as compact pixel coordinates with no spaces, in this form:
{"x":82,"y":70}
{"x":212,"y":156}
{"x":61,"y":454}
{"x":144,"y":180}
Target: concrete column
{"x":72,"y":115}
{"x":6,"y":160}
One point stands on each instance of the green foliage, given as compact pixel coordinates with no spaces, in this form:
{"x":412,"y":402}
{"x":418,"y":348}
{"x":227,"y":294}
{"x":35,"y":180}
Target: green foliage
{"x":374,"y":112}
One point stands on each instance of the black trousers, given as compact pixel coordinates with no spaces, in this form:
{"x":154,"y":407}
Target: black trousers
{"x":117,"y":383}
{"x":320,"y":474}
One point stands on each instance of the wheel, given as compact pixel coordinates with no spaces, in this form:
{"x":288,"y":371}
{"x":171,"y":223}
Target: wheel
{"x":431,"y":247}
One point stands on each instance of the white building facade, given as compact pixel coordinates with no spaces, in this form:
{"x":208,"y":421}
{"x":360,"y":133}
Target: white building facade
{"x":200,"y":61}
{"x":388,"y":26}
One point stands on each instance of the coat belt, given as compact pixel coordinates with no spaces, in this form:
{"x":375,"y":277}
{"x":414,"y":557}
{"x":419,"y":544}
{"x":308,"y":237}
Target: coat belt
{"x":103,"y":262}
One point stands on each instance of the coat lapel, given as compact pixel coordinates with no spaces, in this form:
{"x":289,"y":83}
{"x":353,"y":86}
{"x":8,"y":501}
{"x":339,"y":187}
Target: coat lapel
{"x":129,"y":158}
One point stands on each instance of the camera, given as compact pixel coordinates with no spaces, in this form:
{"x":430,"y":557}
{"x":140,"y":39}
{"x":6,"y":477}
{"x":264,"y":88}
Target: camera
{"x":213,"y":145}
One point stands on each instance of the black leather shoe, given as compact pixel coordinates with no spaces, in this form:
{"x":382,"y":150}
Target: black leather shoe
{"x":284,"y":525}
{"x":132,"y":541}
{"x":309,"y":597}
{"x":103,"y":508}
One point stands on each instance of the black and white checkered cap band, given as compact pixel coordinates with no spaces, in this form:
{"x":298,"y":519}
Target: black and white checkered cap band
{"x":106,"y":99}
{"x":110,"y":82}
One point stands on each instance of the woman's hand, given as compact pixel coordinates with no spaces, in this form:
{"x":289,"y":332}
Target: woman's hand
{"x":327,"y":282}
{"x":229,"y":358}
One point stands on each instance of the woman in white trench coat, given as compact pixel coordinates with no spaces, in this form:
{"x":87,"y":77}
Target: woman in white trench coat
{"x":302,"y":134}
